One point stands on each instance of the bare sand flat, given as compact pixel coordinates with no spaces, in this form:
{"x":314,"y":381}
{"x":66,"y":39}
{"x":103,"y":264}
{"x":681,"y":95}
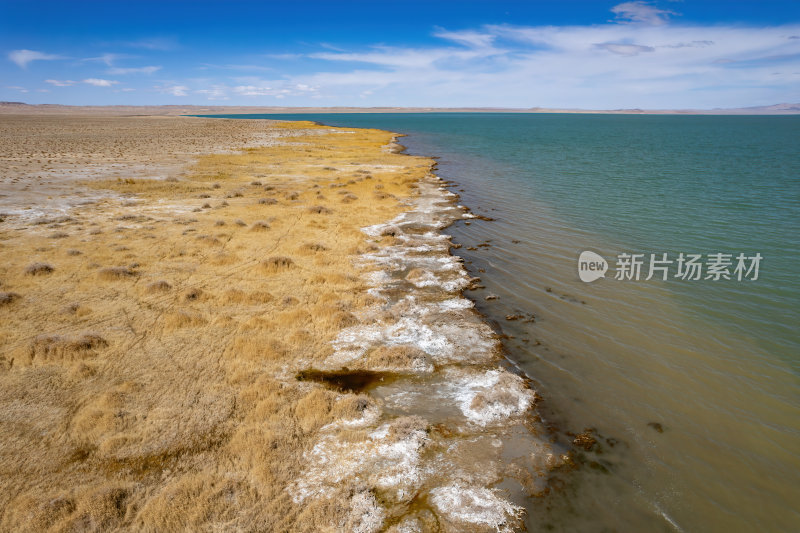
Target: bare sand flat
{"x":243,"y":325}
{"x":44,"y":158}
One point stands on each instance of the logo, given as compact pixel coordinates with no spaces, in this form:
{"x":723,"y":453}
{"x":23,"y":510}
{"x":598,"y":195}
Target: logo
{"x":591,"y":266}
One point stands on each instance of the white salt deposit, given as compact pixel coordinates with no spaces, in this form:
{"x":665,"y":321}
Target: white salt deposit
{"x":366,"y":515}
{"x":476,"y":505}
{"x":417,"y":281}
{"x":387,"y":458}
{"x":489,"y":397}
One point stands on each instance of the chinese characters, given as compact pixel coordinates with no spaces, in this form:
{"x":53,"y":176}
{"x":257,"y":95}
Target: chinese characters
{"x":687,"y":266}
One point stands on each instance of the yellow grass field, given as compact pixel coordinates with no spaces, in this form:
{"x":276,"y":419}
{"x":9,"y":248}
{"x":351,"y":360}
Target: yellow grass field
{"x":150,"y":339}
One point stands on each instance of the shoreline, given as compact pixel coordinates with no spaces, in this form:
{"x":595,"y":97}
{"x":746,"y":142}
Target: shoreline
{"x":496,"y":400}
{"x":225,"y":299}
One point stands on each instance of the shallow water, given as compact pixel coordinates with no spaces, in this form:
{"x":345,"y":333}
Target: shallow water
{"x":692,"y":386}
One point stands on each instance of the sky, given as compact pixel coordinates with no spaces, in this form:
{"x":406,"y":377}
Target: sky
{"x":587,"y":54}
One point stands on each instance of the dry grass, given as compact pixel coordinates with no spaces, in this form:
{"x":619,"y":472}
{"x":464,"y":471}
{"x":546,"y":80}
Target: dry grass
{"x":397,"y":358}
{"x":320,"y":210}
{"x":7,"y":298}
{"x":159,"y":286}
{"x":313,"y":247}
{"x":39,"y":269}
{"x":119,"y":272}
{"x":164,"y":399}
{"x":276,"y":264}
{"x":56,"y":347}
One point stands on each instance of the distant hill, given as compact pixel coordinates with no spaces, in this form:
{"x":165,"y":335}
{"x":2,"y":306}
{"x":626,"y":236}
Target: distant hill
{"x":9,"y":108}
{"x":776,"y":108}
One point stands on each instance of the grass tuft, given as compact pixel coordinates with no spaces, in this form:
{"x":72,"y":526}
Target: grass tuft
{"x":159,"y":286}
{"x":50,"y":347}
{"x":314,"y":247}
{"x":7,"y":298}
{"x":39,"y":269}
{"x":119,"y":272}
{"x":193,"y":294}
{"x":277,"y":263}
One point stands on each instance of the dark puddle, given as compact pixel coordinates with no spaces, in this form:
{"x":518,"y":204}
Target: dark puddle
{"x":347,"y":380}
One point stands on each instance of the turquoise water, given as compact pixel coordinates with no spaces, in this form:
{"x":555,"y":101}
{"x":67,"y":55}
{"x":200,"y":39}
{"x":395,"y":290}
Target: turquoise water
{"x":692,"y":386}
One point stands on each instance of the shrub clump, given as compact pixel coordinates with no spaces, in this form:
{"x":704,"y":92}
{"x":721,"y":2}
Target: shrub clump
{"x":39,"y":269}
{"x":119,"y":272}
{"x":193,"y":294}
{"x":314,"y":247}
{"x":159,"y":286}
{"x":7,"y":298}
{"x":57,"y":346}
{"x":277,"y":263}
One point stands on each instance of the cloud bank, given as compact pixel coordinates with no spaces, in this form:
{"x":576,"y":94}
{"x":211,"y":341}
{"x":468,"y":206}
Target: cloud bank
{"x":23,"y":57}
{"x":643,"y":61}
{"x":642,"y":57}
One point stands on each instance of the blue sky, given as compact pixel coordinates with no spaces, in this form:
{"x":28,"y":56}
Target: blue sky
{"x":575,"y":54}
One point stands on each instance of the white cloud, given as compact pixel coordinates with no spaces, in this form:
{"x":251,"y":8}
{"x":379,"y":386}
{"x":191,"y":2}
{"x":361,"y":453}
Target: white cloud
{"x":252,"y":90}
{"x":473,"y":39}
{"x":625,"y":49}
{"x":154,"y":43}
{"x":604,"y":66}
{"x":215,"y":92}
{"x":17,"y":88}
{"x":289,"y":56}
{"x":23,"y":57}
{"x":641,"y":12}
{"x":107,"y":59}
{"x":174,"y":90}
{"x":61,"y":83}
{"x":276,"y":88}
{"x":252,"y":68}
{"x":416,"y":58}
{"x":97,"y":82}
{"x":689,"y":45}
{"x":134,"y":70}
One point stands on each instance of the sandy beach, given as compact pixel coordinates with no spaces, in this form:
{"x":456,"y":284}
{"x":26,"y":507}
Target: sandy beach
{"x":250,"y":325}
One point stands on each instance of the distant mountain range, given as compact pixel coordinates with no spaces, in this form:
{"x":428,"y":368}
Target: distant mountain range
{"x":8,"y":108}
